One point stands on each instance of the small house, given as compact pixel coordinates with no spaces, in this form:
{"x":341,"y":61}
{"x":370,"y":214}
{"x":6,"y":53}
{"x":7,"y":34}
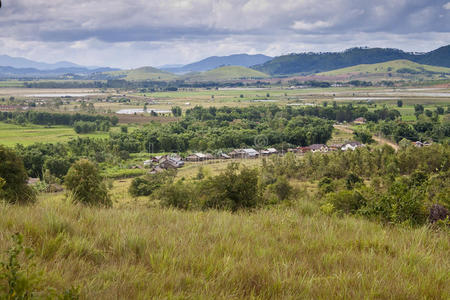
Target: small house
{"x":360,"y":120}
{"x":351,"y":146}
{"x":318,"y":148}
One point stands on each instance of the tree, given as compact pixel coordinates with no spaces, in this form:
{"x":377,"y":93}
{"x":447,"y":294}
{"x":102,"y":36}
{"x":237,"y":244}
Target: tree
{"x":13,"y":178}
{"x":440,"y":110}
{"x":363,"y":137}
{"x":399,"y":103}
{"x":176,"y":111}
{"x":57,"y":166}
{"x":418,"y":109}
{"x":86,"y":185}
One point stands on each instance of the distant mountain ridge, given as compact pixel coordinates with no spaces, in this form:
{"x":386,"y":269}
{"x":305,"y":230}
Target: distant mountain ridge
{"x":213,"y":62}
{"x":10,"y":72}
{"x":20,"y":63}
{"x":322,"y":62}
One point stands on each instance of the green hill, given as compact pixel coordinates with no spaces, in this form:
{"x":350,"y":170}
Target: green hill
{"x":144,"y":73}
{"x":398,"y":68}
{"x":226,"y":73}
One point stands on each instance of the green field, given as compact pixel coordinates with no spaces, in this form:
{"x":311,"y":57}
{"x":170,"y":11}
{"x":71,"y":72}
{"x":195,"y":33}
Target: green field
{"x":11,"y":134}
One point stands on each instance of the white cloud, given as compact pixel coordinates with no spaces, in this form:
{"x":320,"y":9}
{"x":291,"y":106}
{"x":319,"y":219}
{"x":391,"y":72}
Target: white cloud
{"x":300,"y":25}
{"x":446,"y":6}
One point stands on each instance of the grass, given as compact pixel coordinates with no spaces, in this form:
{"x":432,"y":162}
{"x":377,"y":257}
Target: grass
{"x":388,"y":67}
{"x":11,"y":134}
{"x":289,"y":252}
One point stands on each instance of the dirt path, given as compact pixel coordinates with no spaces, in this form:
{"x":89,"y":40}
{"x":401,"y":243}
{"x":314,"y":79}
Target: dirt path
{"x":376,"y":138}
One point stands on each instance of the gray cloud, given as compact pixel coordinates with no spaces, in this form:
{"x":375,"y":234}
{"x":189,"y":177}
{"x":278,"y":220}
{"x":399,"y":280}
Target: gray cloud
{"x":150,"y":30}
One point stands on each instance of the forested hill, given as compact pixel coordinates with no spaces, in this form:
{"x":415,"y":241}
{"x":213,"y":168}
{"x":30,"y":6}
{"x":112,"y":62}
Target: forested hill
{"x":321,"y":62}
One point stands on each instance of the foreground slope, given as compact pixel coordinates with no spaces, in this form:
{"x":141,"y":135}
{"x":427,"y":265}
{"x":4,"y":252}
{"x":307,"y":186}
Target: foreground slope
{"x":294,"y":252}
{"x":226,"y":73}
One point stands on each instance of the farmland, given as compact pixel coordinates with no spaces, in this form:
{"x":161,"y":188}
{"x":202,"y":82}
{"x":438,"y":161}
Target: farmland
{"x":11,"y":134}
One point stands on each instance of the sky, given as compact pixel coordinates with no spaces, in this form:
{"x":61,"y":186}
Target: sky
{"x":134,"y":33}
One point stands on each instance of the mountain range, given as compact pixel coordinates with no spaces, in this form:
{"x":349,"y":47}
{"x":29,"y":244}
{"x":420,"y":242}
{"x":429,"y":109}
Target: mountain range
{"x":308,"y":63}
{"x":213,"y":62}
{"x":285,"y":65}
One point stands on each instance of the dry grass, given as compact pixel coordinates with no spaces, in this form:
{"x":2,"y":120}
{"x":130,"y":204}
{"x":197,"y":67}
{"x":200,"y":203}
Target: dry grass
{"x":138,"y":252}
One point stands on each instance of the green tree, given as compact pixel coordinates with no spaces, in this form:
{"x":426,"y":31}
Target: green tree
{"x":85,"y":184}
{"x":13,"y":178}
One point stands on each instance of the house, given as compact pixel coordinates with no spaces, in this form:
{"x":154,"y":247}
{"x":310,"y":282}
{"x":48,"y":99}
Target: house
{"x":224,"y":156}
{"x":360,"y":120}
{"x":269,"y":151}
{"x":156,"y":159}
{"x":421,"y":144}
{"x":335,"y":147}
{"x":199,"y":157}
{"x":171,"y":162}
{"x":237,"y":153}
{"x":244,"y":153}
{"x":251,"y":153}
{"x":351,"y":146}
{"x":318,"y":148}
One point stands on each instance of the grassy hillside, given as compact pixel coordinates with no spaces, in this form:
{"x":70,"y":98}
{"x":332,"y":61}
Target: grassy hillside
{"x":402,"y":66}
{"x":138,"y":252}
{"x":144,"y":73}
{"x":226,"y":73}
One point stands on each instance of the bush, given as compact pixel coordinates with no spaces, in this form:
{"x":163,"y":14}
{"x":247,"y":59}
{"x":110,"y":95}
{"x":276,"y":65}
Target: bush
{"x":346,"y":201}
{"x":145,"y":186}
{"x":178,"y":195}
{"x":231,"y":190}
{"x":86,"y":185}
{"x":281,"y":188}
{"x":13,"y":182}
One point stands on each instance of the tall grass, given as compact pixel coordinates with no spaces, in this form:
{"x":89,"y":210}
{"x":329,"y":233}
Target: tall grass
{"x":289,"y":251}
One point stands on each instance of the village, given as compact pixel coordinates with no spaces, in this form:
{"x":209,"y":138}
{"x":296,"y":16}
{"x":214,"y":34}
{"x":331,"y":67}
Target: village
{"x":175,"y":161}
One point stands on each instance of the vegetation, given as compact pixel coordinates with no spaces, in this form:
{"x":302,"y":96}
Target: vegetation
{"x":14,"y":178}
{"x":85,"y":184}
{"x":280,"y":252}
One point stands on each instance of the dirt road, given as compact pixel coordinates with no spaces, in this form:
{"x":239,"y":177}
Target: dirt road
{"x":378,"y":139}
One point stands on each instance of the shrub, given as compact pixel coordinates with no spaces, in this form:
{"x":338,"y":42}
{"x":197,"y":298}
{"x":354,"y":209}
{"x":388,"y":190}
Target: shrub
{"x":281,"y":188}
{"x":178,"y":195}
{"x":326,"y":185}
{"x":231,"y":189}
{"x":13,"y":183}
{"x":352,"y":180}
{"x":145,"y":186}
{"x":346,"y":201}
{"x":86,"y":185}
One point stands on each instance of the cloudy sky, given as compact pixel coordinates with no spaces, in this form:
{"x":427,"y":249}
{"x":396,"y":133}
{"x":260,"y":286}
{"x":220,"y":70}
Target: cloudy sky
{"x":131,"y":33}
